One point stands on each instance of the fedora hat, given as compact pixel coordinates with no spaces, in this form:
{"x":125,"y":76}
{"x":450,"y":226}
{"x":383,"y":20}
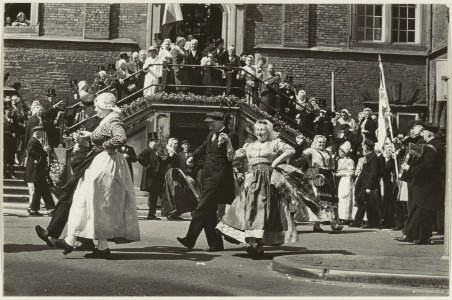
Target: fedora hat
{"x":50,"y":92}
{"x":214,"y":116}
{"x":152,"y":136}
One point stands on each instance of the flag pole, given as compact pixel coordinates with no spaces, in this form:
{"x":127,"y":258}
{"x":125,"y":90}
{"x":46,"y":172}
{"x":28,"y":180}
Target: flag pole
{"x":389,"y":116}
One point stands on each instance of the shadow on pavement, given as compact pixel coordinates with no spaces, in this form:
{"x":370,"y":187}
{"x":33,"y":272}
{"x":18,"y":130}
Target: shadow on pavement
{"x":331,"y":231}
{"x":271,"y":255}
{"x":18,"y":248}
{"x":159,"y":253}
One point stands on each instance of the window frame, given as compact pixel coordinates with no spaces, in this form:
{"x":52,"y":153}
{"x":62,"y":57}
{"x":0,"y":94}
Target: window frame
{"x":34,"y":24}
{"x":415,"y":115}
{"x":387,"y":26}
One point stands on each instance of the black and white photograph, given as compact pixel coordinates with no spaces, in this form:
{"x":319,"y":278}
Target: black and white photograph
{"x":256,"y":149}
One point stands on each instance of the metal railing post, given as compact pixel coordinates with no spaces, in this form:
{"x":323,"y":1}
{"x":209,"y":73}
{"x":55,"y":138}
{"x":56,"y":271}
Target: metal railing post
{"x":228,"y":79}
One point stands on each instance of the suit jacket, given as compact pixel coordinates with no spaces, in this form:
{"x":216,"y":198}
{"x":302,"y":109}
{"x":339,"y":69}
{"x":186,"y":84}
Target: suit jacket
{"x":194,"y":74}
{"x":36,"y":171}
{"x":32,"y":122}
{"x":183,"y":163}
{"x":369,"y":178}
{"x":371,"y":126}
{"x":217,"y":177}
{"x":152,"y":176}
{"x":132,"y":156}
{"x":427,"y":176}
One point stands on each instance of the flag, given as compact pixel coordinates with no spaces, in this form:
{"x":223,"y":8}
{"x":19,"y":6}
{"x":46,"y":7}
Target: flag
{"x":172,"y":13}
{"x":384,"y":116}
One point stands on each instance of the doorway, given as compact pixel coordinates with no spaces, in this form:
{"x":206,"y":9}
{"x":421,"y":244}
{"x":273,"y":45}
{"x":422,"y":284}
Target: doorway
{"x":202,"y":21}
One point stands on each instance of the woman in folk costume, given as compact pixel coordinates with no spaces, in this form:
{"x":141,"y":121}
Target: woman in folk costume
{"x":260,"y":215}
{"x":321,"y":172}
{"x":345,"y":172}
{"x":104,"y":205}
{"x":154,"y":73}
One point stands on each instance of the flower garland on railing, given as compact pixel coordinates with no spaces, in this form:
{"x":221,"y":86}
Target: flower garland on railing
{"x":146,"y":101}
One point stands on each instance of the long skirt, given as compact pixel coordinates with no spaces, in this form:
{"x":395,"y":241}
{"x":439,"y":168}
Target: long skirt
{"x":345,"y":194}
{"x":151,"y":79}
{"x":104,"y":205}
{"x":262,"y":209}
{"x":181,"y":194}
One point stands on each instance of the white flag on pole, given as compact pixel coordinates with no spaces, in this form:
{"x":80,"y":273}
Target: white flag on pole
{"x":384,"y":117}
{"x":172,"y":13}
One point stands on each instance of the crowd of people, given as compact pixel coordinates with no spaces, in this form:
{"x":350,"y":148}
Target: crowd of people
{"x":251,"y":194}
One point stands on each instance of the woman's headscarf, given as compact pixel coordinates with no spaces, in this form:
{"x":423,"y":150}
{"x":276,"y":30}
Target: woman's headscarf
{"x":107,"y":101}
{"x":35,"y":106}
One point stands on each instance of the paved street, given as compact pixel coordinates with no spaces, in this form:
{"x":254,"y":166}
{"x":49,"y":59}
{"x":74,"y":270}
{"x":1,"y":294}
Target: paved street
{"x":158,"y":266}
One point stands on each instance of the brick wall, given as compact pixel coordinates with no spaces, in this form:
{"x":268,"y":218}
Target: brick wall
{"x":356,"y":76}
{"x":440,"y":25}
{"x":296,"y":25}
{"x":129,"y":21}
{"x":41,"y":65}
{"x":66,"y":19}
{"x":97,"y":21}
{"x":328,"y":24}
{"x":263,"y":24}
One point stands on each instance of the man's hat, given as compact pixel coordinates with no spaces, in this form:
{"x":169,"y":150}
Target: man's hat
{"x":124,"y":56}
{"x":313,"y":99}
{"x":152,"y":48}
{"x":415,"y":122}
{"x":153,"y":136}
{"x":158,"y":36}
{"x":185,"y":142}
{"x":214,"y":116}
{"x":431,"y":127}
{"x":369,"y":143}
{"x":50,"y":92}
{"x":100,"y":68}
{"x":37,"y":128}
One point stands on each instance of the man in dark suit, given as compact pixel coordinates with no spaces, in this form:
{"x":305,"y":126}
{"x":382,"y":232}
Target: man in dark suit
{"x":367,"y":189}
{"x":426,"y":182}
{"x":193,"y":57}
{"x":152,"y":180}
{"x":51,"y":117}
{"x":37,"y":171}
{"x":73,"y":98}
{"x":129,"y":155}
{"x":217,"y":184}
{"x":183,"y":156}
{"x":268,"y":90}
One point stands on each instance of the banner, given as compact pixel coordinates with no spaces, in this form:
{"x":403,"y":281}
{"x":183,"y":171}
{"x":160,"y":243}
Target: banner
{"x":172,"y":13}
{"x":384,"y":116}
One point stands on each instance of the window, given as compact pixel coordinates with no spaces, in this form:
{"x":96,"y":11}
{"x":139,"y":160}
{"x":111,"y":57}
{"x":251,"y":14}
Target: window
{"x":369,"y":22}
{"x":21,"y":18}
{"x":403,"y":119}
{"x":397,"y":23}
{"x":403,"y":23}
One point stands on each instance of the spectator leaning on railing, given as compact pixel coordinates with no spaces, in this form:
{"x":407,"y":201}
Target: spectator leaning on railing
{"x":21,"y":20}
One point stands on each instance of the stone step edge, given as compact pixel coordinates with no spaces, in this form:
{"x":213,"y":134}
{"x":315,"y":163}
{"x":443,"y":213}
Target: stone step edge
{"x":282,"y":265}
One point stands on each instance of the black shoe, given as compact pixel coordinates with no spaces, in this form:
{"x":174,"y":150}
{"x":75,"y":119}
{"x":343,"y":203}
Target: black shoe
{"x":354,"y":225}
{"x":215,"y":249}
{"x":34,"y":213}
{"x":43,"y":235}
{"x":338,"y":229}
{"x":61,"y":244}
{"x":51,"y":212}
{"x":315,"y":229}
{"x":403,"y":239}
{"x":152,"y":217}
{"x":251,"y":251}
{"x":99,"y":254}
{"x":85,"y":246}
{"x":184,"y":242}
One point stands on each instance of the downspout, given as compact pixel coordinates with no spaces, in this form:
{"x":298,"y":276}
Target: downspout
{"x":427,"y":60}
{"x":349,"y":34}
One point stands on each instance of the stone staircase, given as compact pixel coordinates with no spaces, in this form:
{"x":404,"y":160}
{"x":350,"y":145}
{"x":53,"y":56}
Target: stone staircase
{"x":15,"y":190}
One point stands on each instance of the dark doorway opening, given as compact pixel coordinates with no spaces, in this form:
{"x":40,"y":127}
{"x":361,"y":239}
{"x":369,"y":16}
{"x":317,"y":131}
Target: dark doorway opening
{"x":189,"y":126}
{"x":202,"y":21}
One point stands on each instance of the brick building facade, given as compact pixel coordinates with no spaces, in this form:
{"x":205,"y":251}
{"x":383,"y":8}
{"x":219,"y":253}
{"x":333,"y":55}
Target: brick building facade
{"x":307,"y":41}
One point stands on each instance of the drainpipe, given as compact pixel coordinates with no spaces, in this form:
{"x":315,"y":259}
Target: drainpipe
{"x":427,"y":61}
{"x":349,"y":34}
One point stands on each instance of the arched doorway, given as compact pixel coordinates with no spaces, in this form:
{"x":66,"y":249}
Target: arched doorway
{"x":202,"y":21}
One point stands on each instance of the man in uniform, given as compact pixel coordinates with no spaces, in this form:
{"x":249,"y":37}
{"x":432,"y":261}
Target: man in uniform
{"x":217,"y":185}
{"x":426,"y":182}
